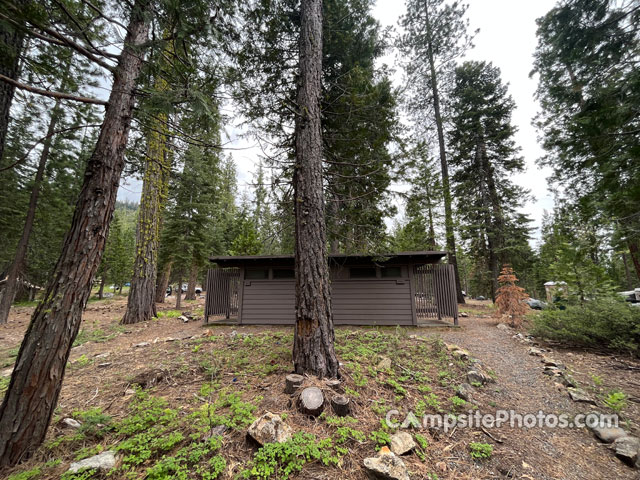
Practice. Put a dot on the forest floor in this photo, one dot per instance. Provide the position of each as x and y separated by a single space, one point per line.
153 392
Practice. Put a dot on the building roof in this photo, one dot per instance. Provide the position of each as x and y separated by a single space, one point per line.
421 257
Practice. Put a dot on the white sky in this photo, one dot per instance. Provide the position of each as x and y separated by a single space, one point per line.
507 39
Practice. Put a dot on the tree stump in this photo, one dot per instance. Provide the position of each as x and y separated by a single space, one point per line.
341 405
335 385
311 401
292 383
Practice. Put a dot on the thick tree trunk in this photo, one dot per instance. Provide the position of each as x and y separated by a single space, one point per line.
446 187
11 286
163 283
12 40
191 286
313 349
36 380
141 306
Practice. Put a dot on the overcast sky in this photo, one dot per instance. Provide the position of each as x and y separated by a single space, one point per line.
507 39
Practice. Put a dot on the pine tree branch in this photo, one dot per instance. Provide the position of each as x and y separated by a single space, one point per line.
40 140
50 93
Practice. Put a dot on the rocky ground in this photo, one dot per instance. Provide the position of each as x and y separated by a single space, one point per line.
169 399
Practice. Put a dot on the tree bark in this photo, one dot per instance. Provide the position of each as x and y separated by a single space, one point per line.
36 380
101 289
13 40
163 283
179 293
141 306
11 286
444 166
313 345
191 285
635 256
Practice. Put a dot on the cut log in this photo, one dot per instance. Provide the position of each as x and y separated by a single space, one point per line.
311 401
341 405
335 385
292 383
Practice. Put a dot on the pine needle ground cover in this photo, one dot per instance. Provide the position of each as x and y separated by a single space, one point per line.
156 405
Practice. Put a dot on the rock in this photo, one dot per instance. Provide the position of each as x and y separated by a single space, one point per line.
464 314
384 364
217 431
451 347
104 365
386 466
476 376
503 326
579 395
568 381
6 372
70 422
292 383
311 401
183 318
550 362
104 461
269 428
103 355
142 344
536 351
341 405
401 443
608 434
464 391
129 391
461 354
627 449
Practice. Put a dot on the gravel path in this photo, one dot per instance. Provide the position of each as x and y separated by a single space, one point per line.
536 453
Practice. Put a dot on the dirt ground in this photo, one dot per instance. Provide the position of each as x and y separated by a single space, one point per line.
109 356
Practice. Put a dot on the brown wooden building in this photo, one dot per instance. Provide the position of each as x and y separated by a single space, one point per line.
407 288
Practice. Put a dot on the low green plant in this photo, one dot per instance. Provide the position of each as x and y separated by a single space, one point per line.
290 457
616 400
399 389
26 475
597 380
457 402
169 314
480 451
422 444
380 437
94 422
189 460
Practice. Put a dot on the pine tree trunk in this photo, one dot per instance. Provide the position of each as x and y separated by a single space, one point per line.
446 187
191 286
179 293
141 306
36 380
12 40
101 289
163 283
11 286
635 256
494 220
313 348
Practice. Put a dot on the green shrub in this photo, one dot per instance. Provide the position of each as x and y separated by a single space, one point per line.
608 322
